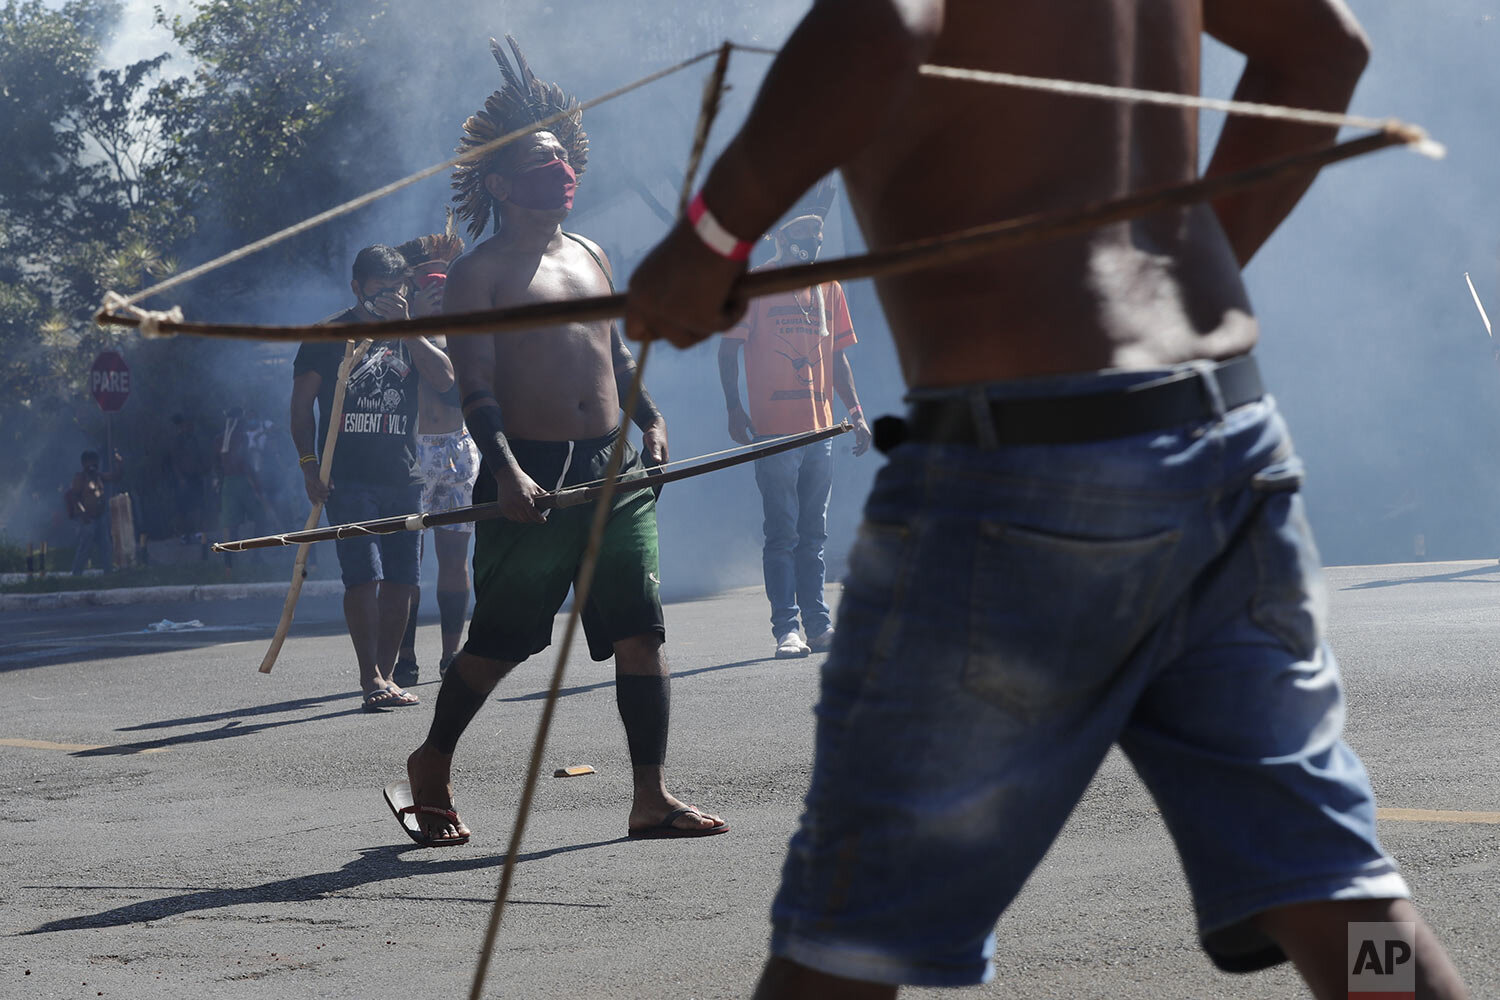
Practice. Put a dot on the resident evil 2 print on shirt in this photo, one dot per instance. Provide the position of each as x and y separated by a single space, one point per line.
378 432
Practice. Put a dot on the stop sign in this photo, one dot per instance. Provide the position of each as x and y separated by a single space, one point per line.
109 381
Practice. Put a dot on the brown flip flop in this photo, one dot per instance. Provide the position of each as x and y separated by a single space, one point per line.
666 831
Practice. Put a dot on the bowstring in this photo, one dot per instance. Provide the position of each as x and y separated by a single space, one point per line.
353 204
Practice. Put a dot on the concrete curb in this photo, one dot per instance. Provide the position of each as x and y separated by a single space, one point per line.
145 595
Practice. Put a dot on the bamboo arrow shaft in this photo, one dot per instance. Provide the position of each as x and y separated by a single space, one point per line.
547 501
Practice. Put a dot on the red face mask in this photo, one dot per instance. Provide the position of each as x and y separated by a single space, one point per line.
546 188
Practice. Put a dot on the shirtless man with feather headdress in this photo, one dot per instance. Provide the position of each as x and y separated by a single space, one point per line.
543 407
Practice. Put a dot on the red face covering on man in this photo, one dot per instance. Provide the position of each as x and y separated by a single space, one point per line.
546 187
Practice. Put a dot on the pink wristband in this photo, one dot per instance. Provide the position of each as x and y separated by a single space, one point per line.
714 236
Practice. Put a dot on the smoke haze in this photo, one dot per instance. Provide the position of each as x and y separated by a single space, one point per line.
1370 341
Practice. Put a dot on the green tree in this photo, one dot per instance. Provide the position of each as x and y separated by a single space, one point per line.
79 182
274 123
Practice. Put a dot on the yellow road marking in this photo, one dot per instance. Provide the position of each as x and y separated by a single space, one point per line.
1437 816
64 747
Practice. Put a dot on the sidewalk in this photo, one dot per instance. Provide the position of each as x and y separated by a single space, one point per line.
167 553
146 595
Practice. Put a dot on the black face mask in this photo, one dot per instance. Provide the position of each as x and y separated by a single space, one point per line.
804 249
368 300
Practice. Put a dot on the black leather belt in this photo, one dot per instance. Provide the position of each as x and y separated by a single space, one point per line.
1177 400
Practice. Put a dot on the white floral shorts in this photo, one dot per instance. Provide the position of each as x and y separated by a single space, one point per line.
450 464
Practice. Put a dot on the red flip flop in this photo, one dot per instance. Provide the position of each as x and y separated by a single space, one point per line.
398 797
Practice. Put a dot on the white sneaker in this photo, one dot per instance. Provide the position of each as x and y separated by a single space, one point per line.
822 642
790 646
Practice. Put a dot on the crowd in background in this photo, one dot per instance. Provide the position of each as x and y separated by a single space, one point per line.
215 474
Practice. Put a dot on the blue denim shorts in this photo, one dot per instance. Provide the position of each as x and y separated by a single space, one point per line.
1009 615
395 558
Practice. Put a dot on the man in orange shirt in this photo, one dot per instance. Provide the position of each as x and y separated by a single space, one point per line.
794 362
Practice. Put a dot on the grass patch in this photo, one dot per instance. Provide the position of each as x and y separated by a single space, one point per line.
13 556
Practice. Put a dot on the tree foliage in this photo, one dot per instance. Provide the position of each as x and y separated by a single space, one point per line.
78 184
111 175
280 109
275 124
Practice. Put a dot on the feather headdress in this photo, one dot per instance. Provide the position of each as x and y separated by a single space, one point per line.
441 248
524 100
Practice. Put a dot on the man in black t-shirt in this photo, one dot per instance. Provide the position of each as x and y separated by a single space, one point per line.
375 471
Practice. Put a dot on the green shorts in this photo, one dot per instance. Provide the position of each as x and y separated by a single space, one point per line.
522 572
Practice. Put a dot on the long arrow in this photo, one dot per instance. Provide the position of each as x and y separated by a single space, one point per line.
1480 306
488 511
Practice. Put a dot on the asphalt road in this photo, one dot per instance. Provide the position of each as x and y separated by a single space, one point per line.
175 824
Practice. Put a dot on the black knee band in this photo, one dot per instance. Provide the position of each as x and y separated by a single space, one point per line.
645 708
456 705
409 641
453 605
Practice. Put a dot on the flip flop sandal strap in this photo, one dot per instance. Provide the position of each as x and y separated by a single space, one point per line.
447 814
669 819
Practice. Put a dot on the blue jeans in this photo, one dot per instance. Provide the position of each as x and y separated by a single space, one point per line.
395 558
93 537
794 490
1009 615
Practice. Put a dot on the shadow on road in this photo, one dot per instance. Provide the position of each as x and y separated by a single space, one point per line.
228 731
374 865
1459 576
676 675
232 719
243 713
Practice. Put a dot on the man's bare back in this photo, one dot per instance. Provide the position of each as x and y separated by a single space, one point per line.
1040 511
924 157
1146 294
554 383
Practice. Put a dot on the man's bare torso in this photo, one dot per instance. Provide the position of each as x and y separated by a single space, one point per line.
554 383
1151 293
436 415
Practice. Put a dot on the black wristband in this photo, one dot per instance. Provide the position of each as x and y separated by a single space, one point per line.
488 434
646 412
